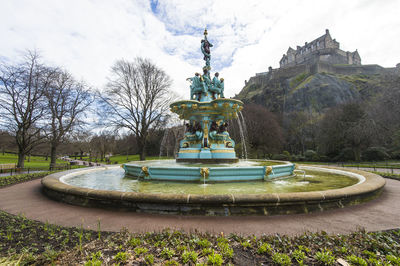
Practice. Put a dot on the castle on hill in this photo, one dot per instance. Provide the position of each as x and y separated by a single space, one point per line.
322 55
323 49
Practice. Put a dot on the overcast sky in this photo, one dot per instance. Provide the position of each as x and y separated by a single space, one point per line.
87 37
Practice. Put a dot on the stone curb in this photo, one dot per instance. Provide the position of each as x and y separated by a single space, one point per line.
228 204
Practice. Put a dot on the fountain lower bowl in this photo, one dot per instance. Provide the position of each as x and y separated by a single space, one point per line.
208 171
369 187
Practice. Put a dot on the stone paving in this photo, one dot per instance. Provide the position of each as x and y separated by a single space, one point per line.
380 214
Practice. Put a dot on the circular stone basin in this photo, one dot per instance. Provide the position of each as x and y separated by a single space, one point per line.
318 189
241 171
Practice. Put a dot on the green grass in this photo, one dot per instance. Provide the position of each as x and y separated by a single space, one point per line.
35 161
387 175
384 164
118 159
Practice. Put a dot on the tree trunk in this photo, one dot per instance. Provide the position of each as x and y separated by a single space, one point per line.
357 154
141 149
21 159
53 156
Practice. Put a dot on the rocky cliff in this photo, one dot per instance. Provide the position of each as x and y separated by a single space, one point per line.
317 92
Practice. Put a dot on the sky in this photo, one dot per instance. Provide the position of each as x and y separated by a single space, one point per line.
86 37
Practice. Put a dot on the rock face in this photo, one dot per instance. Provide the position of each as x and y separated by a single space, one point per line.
321 91
316 92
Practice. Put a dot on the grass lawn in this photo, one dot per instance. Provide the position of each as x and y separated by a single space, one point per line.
35 161
382 164
118 159
387 175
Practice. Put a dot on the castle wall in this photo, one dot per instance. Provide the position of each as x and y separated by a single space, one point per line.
320 67
348 69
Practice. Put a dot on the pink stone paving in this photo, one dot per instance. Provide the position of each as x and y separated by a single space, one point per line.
380 214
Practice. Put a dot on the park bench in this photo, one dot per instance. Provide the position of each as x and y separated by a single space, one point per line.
7 166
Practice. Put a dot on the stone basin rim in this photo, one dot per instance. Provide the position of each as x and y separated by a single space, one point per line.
371 184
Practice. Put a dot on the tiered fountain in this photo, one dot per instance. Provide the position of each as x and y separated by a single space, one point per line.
207 140
208 177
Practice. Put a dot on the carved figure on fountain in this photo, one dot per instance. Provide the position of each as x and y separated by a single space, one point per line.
193 132
220 133
205 49
217 86
197 87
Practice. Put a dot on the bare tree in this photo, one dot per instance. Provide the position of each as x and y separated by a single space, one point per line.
137 98
264 132
21 101
346 126
67 101
102 144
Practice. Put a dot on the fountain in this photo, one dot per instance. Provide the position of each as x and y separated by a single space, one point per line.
207 178
207 140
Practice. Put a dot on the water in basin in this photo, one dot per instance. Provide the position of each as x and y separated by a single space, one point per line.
115 179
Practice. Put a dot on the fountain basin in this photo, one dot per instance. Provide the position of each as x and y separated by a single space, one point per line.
212 173
368 187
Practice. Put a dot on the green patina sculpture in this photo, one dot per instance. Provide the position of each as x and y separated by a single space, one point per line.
205 49
202 85
217 86
206 138
197 87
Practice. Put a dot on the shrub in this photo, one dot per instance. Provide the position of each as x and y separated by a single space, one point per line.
280 157
121 257
138 250
149 259
311 155
324 158
281 259
189 256
204 243
346 154
207 251
264 248
94 259
171 263
354 260
299 256
393 259
286 153
325 257
395 154
245 244
215 259
134 242
167 253
375 154
226 251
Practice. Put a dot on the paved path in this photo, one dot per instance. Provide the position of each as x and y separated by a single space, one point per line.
379 214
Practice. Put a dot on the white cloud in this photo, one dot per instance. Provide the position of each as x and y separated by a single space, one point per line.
86 37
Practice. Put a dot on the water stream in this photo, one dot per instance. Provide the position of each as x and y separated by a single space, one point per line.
242 138
164 142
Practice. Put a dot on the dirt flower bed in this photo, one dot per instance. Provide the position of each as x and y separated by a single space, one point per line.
15 179
33 243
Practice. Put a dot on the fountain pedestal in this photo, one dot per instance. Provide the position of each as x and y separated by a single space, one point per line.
206 138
